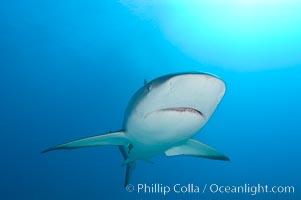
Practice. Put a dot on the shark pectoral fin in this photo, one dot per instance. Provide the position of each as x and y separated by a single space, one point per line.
195 148
116 138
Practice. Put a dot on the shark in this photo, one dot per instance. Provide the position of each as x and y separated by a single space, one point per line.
162 117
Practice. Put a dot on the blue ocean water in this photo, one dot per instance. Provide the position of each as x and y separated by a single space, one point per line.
68 70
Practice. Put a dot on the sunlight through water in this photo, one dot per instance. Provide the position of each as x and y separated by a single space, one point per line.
236 34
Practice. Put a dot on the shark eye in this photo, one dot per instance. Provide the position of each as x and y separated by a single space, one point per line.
149 87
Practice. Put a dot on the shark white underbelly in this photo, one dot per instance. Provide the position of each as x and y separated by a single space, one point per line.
157 131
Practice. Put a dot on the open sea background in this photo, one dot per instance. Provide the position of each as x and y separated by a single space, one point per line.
69 68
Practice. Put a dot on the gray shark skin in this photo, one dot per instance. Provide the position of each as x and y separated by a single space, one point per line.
162 117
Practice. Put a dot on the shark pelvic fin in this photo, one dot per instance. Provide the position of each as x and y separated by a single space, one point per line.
148 161
115 138
195 148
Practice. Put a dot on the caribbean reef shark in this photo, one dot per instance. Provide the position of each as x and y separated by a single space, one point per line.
162 117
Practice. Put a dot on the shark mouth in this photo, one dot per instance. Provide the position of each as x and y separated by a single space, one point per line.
184 109
179 110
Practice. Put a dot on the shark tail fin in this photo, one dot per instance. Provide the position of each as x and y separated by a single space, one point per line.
130 166
129 169
195 148
115 138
